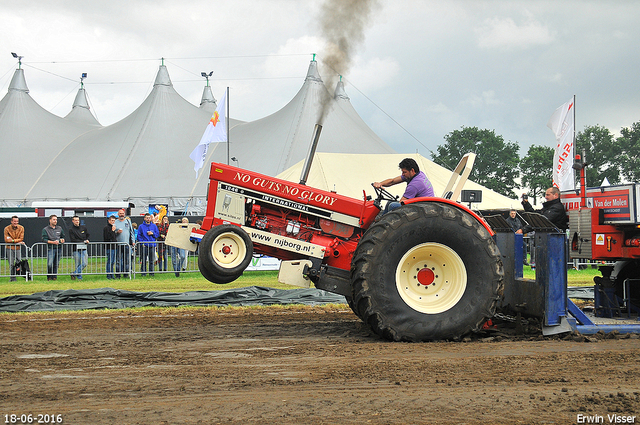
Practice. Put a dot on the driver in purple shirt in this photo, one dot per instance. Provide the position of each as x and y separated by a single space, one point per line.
418 185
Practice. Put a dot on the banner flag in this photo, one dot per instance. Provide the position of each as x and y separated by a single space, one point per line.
562 124
215 132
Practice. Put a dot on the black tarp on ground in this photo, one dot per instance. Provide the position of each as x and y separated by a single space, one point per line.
104 298
90 299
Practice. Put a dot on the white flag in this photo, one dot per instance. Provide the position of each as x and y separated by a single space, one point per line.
215 132
562 125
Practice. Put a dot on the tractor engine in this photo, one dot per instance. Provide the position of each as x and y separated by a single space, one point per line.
286 220
280 222
337 239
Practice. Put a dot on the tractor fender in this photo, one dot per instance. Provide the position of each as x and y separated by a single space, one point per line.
452 203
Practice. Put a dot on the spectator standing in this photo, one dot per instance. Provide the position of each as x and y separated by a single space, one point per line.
163 228
514 221
135 240
179 255
199 223
53 236
14 238
183 252
552 209
126 240
147 236
79 235
518 227
110 238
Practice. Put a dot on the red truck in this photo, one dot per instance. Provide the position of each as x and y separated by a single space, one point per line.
604 225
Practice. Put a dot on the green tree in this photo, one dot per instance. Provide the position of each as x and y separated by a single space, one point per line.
496 165
537 169
602 154
629 143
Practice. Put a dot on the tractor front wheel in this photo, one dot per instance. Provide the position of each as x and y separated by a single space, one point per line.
224 253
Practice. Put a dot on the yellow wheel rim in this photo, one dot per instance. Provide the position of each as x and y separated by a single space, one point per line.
228 250
431 278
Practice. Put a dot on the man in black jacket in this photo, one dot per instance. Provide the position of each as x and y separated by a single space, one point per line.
79 234
110 237
552 209
514 221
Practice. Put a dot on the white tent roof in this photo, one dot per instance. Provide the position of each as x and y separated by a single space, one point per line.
350 174
208 102
272 144
80 112
144 158
30 137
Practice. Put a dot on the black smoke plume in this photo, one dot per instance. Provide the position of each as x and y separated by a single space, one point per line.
342 23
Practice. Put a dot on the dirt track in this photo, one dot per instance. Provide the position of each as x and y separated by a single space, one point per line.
299 366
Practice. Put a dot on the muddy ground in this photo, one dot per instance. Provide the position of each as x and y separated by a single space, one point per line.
300 366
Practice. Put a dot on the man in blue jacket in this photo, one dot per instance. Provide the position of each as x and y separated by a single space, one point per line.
147 234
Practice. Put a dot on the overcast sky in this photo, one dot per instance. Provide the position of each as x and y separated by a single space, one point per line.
423 69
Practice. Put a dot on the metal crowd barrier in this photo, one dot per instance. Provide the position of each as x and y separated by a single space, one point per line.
78 259
93 258
166 259
125 262
8 255
575 263
63 260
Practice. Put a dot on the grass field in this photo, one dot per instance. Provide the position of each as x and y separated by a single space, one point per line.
159 283
195 282
574 277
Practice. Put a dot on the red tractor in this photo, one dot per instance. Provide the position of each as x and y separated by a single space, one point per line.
429 270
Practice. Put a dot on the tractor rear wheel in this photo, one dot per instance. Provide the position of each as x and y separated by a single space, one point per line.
353 306
224 253
426 271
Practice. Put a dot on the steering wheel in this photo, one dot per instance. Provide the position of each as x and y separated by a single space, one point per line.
383 195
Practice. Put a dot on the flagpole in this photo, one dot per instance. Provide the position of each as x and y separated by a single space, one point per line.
226 118
574 120
574 136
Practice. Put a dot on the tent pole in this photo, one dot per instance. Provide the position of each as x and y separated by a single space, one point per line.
226 118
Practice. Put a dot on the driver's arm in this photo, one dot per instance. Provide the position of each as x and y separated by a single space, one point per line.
388 182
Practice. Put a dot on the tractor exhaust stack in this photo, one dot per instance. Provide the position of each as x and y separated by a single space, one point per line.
312 151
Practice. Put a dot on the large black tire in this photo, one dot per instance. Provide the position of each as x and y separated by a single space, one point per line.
351 303
426 271
224 253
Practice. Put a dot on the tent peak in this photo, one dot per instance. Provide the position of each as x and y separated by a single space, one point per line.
81 99
208 102
162 78
18 83
312 73
80 112
340 93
